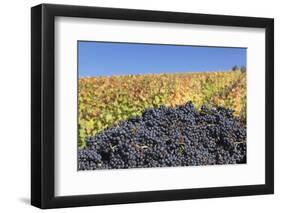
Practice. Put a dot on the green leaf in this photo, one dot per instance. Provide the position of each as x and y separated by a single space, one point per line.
99 124
156 100
108 117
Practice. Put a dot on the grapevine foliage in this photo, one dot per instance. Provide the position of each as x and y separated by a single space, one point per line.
106 101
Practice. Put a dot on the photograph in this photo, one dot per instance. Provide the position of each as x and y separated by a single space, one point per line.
160 105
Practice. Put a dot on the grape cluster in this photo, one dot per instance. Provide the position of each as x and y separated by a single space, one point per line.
168 137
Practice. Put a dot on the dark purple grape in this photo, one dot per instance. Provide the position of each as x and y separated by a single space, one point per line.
166 137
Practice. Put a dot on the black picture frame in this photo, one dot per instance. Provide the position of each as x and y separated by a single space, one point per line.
43 102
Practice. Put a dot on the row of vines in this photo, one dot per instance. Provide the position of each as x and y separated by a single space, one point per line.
104 101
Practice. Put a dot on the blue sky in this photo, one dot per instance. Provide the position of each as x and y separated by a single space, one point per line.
109 58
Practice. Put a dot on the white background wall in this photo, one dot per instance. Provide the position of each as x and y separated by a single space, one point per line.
15 105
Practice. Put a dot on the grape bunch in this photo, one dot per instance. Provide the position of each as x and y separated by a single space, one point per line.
168 137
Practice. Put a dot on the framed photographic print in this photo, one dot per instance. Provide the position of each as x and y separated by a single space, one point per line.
139 106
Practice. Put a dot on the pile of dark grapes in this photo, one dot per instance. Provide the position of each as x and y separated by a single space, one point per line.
168 137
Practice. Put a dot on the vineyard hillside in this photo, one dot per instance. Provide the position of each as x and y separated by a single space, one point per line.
105 101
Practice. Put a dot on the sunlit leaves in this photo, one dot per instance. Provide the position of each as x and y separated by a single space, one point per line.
233 96
104 101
